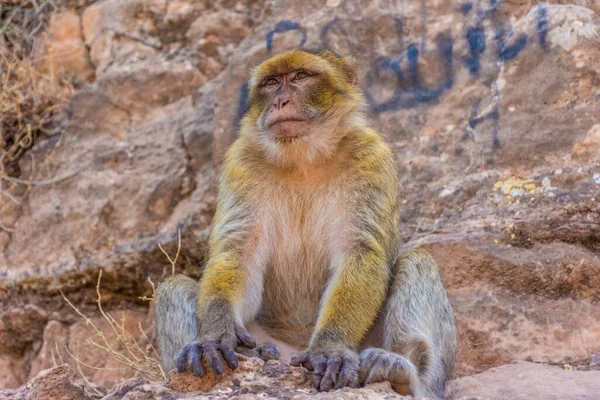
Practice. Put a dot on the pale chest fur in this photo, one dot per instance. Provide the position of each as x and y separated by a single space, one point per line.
302 234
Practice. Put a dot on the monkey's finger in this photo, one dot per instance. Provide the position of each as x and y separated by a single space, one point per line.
195 361
212 357
368 358
181 360
348 375
331 373
343 380
229 355
319 364
301 360
244 337
268 351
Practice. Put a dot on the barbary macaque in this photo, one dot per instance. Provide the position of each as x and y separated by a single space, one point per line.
304 250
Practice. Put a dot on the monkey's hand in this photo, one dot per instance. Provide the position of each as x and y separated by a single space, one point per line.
208 348
334 367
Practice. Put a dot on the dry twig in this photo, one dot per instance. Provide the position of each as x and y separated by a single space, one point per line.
130 353
173 261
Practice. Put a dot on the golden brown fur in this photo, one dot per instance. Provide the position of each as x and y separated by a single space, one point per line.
304 247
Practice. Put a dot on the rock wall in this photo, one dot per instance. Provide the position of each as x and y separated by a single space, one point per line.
491 108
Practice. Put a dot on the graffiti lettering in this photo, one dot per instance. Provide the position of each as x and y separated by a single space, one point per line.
335 23
408 85
542 24
285 26
476 42
411 90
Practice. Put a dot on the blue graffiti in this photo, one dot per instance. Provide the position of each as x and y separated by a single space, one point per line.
466 8
476 42
407 81
399 31
422 94
542 24
476 38
335 23
505 52
285 26
384 63
415 92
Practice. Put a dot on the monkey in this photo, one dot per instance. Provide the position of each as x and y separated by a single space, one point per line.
304 260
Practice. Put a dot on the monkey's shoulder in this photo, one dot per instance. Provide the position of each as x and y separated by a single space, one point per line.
368 151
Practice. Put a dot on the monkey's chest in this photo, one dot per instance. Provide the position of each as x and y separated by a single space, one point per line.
304 246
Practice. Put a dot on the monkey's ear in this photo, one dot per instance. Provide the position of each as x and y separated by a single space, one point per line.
347 64
351 70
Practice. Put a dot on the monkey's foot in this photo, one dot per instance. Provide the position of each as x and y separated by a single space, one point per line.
191 355
377 365
265 351
332 368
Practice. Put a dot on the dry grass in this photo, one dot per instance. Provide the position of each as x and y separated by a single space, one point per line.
21 21
143 359
30 99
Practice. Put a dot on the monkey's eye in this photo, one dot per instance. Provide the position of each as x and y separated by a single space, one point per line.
301 75
270 82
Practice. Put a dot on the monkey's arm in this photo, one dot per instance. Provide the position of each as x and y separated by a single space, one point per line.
221 289
359 286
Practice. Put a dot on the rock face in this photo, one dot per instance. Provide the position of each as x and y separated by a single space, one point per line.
255 379
490 107
527 381
58 383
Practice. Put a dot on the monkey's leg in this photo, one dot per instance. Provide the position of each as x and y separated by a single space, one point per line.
266 342
177 324
417 334
176 316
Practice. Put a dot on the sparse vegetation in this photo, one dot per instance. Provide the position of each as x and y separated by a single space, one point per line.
138 355
30 100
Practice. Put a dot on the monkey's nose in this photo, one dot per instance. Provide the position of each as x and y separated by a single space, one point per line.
280 103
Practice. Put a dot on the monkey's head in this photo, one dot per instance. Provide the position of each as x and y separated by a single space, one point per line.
301 104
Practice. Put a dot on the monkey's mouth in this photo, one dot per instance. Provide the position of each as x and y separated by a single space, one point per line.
284 121
286 130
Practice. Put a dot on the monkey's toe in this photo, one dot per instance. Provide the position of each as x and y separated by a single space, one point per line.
250 353
349 373
265 351
268 351
334 364
333 369
377 365
190 356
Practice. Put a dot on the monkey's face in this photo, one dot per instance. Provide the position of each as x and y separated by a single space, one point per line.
299 103
289 111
